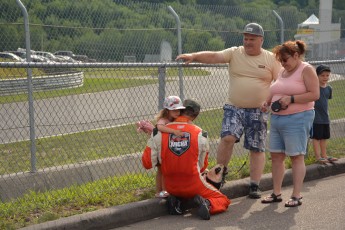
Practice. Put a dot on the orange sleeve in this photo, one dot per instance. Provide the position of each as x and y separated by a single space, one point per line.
146 158
149 158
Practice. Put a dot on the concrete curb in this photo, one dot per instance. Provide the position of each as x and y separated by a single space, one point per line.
148 209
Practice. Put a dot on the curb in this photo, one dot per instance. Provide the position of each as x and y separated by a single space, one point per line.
126 214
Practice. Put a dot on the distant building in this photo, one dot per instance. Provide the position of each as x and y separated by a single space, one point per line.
164 56
320 35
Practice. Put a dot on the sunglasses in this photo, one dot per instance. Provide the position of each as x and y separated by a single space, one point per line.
284 59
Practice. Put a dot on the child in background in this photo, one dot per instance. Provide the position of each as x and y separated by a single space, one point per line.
321 124
170 111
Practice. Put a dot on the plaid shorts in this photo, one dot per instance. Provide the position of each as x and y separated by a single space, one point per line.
252 122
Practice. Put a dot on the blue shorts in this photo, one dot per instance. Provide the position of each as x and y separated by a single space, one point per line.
289 133
251 122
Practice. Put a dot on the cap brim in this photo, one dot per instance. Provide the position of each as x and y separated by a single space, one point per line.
259 35
322 70
180 107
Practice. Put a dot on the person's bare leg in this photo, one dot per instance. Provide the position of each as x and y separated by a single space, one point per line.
225 149
316 147
323 146
278 171
257 165
298 174
159 184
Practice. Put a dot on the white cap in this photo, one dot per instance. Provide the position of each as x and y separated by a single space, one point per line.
173 103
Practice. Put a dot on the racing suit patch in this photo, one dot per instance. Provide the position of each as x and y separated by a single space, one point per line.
179 144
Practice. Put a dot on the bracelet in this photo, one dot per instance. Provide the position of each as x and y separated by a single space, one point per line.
292 99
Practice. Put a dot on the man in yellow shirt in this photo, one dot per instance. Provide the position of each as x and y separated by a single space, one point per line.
252 69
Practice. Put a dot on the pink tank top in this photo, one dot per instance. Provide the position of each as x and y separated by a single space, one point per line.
292 85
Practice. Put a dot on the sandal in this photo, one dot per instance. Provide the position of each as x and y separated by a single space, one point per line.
294 202
272 198
162 194
322 160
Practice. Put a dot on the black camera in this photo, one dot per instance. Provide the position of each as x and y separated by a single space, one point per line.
276 106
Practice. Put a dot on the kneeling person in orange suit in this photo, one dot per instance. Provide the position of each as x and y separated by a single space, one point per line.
183 161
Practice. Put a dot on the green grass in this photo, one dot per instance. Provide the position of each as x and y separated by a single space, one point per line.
96 80
143 71
91 85
34 208
336 104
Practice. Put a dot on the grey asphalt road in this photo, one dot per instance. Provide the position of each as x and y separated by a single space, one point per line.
323 208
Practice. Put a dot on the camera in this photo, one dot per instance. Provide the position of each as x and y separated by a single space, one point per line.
276 106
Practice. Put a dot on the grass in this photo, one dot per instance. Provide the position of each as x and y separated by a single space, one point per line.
91 85
96 80
336 104
34 208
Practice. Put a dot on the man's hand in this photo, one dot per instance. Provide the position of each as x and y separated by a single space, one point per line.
187 58
265 107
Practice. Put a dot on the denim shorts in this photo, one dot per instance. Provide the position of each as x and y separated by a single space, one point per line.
289 133
251 122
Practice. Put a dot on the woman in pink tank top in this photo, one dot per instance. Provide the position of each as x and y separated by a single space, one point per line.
291 100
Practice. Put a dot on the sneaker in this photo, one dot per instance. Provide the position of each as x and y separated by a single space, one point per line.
254 191
174 205
203 207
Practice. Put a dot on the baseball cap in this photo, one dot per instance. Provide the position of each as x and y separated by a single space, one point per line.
193 105
173 103
253 28
322 68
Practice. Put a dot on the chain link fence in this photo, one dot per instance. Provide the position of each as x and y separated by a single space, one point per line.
79 126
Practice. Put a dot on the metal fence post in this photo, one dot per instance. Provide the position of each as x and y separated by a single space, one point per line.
162 84
281 27
179 49
31 103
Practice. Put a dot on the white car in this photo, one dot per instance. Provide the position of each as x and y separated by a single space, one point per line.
10 56
67 59
50 56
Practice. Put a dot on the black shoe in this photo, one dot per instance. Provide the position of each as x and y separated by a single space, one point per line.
174 205
254 191
203 207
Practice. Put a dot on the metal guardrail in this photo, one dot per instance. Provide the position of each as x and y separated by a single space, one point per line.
61 81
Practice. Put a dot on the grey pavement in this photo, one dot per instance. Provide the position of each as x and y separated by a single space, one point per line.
323 208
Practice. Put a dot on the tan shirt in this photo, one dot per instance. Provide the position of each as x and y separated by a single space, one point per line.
250 76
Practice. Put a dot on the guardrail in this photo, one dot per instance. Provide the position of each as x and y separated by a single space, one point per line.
61 81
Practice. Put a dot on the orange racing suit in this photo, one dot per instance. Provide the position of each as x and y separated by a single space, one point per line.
182 160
